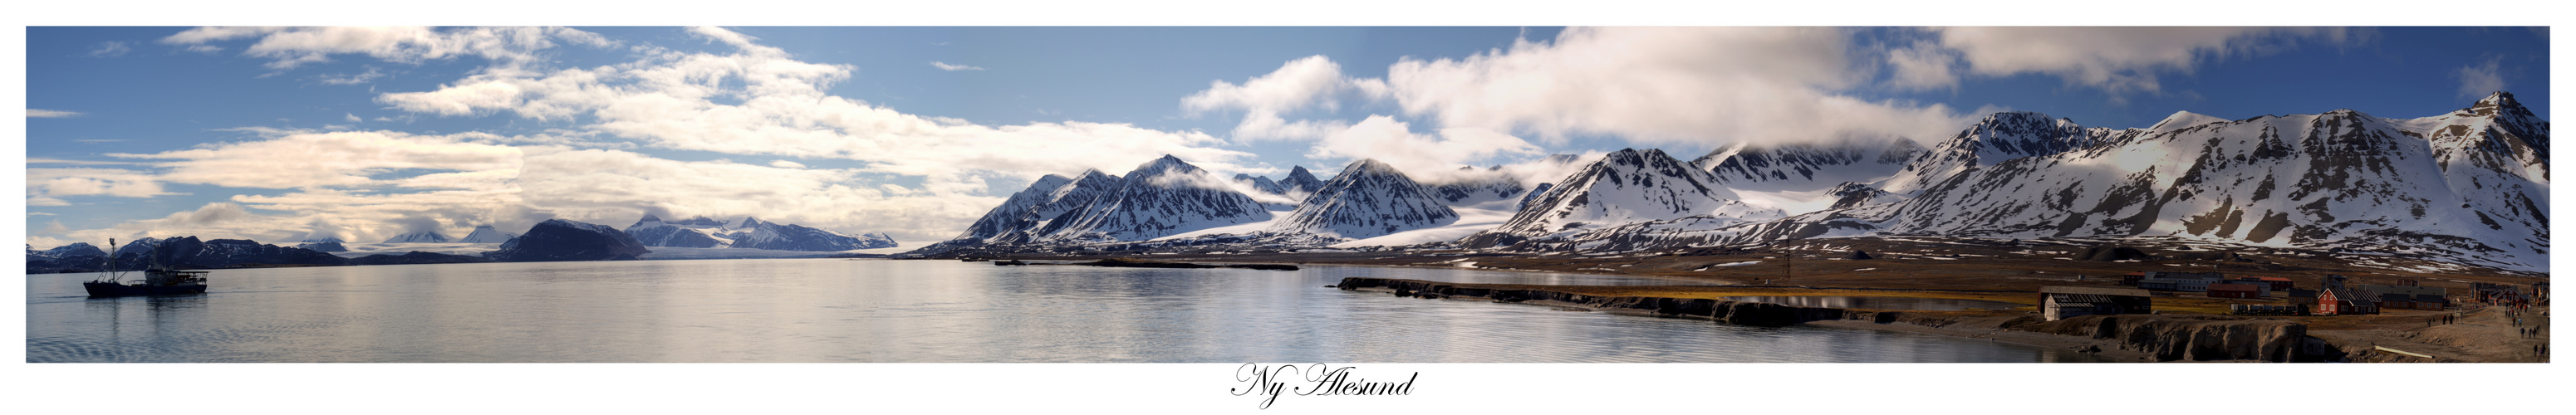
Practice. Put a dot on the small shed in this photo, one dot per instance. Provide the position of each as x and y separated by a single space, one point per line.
2059 302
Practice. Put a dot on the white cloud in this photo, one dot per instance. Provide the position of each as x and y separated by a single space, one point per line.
2116 59
110 49
38 113
347 79
353 118
1665 85
2476 81
45 185
944 66
344 159
1392 142
289 47
754 100
609 184
1309 82
776 105
77 162
1923 66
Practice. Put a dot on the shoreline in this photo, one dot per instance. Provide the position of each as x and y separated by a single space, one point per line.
2152 338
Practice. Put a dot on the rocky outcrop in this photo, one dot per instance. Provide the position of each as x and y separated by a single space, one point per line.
415 257
564 240
2186 338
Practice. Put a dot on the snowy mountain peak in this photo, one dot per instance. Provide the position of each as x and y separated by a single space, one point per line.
1300 181
1626 186
1163 197
1999 137
422 237
648 218
486 234
1368 199
2183 119
1807 166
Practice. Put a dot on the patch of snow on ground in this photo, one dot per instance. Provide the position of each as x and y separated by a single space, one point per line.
1243 228
1737 264
1468 264
1471 220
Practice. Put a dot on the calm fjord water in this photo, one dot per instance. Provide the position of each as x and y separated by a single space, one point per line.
821 310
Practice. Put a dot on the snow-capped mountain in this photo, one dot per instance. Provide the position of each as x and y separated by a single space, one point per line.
422 237
1999 137
1367 199
1162 197
1022 218
485 234
1261 184
75 249
1299 183
323 240
1471 186
693 233
1623 187
791 237
1807 166
2470 186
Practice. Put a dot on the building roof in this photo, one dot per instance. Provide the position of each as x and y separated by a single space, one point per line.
2234 287
2405 289
2126 292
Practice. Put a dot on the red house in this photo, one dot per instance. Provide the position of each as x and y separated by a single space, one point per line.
2236 291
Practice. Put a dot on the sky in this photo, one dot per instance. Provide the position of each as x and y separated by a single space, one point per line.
282 134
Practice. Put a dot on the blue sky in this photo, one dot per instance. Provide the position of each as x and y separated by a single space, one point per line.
279 134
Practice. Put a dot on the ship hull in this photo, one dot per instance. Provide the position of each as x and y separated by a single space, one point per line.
102 289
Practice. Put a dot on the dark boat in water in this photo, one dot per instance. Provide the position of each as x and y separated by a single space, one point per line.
156 280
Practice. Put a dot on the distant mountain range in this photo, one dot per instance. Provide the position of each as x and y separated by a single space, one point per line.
2470 186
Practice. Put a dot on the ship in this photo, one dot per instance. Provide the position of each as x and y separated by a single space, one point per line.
157 280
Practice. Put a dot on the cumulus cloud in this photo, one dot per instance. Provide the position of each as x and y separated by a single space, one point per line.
41 113
944 66
2116 59
2476 81
1310 82
1665 85
289 47
1923 66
